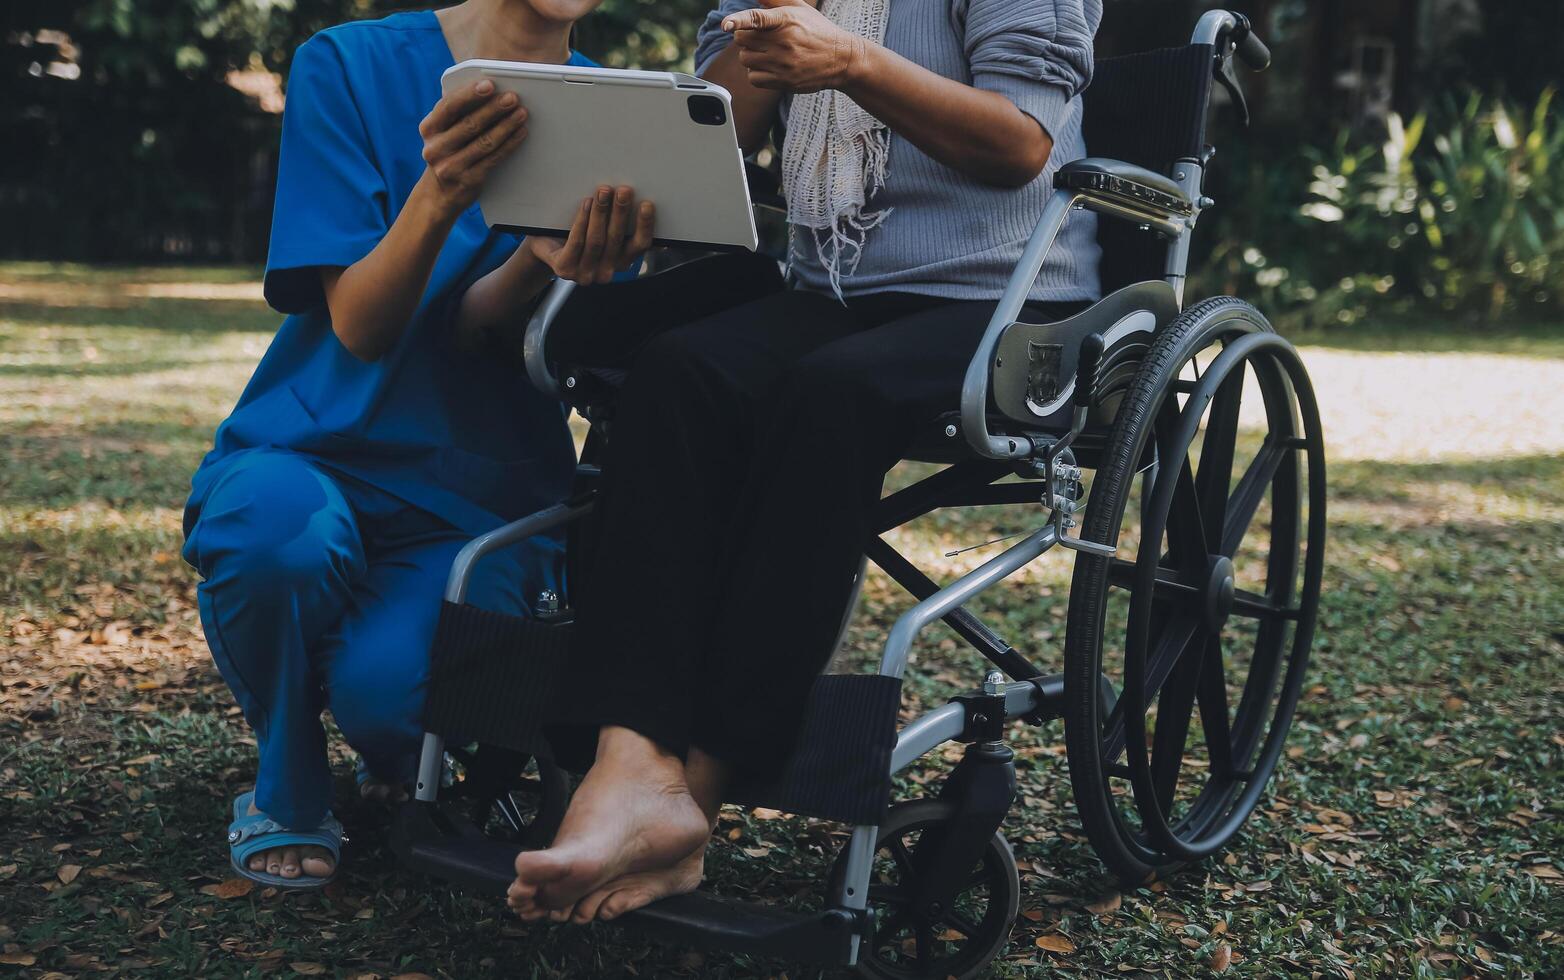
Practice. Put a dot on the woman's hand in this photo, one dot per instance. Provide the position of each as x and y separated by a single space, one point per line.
788 45
467 135
609 234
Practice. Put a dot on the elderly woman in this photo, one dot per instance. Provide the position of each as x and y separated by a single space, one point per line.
750 444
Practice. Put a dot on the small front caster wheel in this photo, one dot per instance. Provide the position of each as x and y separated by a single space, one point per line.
911 943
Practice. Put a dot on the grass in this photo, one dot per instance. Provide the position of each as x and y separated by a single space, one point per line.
1413 830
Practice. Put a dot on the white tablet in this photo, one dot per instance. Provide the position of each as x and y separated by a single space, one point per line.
670 136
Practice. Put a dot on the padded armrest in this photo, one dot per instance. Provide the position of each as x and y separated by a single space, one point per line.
1126 184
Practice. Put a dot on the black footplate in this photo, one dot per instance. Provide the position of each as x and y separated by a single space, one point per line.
432 840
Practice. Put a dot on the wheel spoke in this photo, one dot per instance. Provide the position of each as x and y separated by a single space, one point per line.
925 941
1185 525
1250 492
962 924
1174 708
1215 477
1254 606
1171 646
1213 708
1167 585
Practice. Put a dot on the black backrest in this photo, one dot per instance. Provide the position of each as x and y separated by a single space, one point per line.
1148 109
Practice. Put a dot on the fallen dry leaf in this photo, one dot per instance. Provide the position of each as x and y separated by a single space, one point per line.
18 959
68 873
1055 943
1221 958
232 888
308 969
1106 905
757 852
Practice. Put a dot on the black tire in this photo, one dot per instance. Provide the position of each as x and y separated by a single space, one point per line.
1192 531
982 916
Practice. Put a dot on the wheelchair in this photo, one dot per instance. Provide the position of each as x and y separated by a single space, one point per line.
1192 605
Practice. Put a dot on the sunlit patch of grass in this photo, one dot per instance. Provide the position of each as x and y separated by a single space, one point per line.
1411 830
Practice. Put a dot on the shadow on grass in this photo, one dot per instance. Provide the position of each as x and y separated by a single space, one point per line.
179 315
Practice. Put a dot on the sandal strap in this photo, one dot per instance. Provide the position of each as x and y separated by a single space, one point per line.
258 832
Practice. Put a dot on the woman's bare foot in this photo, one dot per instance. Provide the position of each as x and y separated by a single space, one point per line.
292 861
632 814
642 888
706 778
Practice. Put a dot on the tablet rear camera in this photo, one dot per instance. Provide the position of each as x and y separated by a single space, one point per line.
708 110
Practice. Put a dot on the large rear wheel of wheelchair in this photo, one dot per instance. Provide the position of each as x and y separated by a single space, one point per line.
1212 486
910 943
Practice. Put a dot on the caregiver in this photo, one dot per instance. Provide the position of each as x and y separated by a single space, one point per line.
381 432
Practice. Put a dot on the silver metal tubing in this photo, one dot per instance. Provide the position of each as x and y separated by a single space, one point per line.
926 733
893 663
1164 225
535 339
945 724
974 389
430 759
544 520
1213 24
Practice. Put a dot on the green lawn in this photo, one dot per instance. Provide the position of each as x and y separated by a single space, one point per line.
1413 830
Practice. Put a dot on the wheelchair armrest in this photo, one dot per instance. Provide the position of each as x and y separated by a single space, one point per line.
535 340
1136 190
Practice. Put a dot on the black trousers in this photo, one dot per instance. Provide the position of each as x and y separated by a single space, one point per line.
749 444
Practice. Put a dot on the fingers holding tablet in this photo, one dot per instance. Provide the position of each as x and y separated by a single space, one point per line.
609 233
466 136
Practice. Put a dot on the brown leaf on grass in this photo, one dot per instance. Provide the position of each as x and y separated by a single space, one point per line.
1546 872
1030 915
757 852
1220 929
18 959
1055 943
1221 958
412 976
308 969
1106 905
232 888
68 873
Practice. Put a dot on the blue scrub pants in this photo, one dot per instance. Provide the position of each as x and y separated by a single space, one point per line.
321 591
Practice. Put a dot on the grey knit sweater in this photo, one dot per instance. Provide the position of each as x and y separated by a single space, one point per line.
948 234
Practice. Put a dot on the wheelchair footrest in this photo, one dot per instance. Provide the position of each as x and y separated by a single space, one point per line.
430 839
492 676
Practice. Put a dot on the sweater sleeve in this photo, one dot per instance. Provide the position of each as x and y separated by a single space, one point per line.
1037 53
712 40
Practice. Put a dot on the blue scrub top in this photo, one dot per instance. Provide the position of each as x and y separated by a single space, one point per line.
462 436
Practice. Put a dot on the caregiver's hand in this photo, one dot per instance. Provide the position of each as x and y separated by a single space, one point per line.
609 233
466 135
788 45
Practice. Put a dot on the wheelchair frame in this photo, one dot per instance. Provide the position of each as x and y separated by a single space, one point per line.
834 936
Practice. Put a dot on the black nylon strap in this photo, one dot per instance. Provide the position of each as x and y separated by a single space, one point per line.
491 676
841 769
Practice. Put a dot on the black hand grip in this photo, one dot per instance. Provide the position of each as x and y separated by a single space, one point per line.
1086 370
1252 51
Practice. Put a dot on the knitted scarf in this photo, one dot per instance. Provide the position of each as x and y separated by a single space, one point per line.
836 155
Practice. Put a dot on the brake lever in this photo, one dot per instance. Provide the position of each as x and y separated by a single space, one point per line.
1228 77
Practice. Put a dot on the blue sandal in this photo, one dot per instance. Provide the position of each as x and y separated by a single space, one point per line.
251 833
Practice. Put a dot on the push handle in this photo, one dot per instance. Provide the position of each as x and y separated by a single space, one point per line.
1086 370
1250 49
